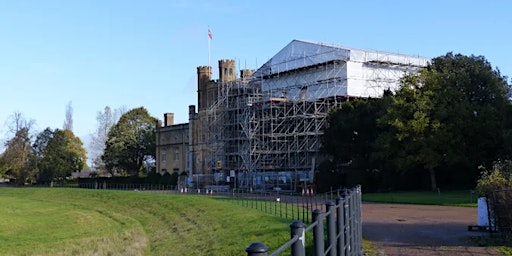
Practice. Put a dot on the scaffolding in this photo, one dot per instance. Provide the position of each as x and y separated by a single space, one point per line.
268 129
229 125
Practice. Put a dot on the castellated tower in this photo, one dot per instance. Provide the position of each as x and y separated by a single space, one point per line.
226 70
245 74
204 76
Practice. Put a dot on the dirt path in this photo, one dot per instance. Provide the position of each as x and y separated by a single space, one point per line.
396 229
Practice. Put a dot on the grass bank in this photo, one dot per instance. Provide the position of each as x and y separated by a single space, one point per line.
97 222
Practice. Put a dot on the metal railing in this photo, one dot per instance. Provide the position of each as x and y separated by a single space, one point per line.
500 209
337 231
292 207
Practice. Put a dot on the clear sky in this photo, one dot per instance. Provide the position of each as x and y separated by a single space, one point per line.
128 53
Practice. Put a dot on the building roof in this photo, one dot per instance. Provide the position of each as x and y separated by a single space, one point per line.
300 54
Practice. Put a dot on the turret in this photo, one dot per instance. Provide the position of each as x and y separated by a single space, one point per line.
226 70
204 76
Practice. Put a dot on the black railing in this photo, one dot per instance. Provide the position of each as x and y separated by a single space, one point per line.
343 230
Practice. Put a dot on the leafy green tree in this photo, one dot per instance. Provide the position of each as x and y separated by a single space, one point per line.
451 113
130 142
415 128
352 131
18 160
59 153
349 141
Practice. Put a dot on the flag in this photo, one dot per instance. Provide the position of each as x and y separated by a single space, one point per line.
210 34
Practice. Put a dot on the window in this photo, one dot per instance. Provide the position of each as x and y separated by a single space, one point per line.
176 154
164 157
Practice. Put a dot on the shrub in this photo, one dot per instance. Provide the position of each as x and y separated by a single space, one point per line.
496 186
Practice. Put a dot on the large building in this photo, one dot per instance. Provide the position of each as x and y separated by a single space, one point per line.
172 146
262 128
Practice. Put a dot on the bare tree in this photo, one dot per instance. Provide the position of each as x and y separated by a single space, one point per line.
68 122
17 122
105 121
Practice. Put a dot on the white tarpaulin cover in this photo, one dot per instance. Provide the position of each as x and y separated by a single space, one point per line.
321 70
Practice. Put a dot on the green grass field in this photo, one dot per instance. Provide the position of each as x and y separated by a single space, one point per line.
451 198
42 221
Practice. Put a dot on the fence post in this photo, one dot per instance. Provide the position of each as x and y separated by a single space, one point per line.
359 219
257 249
340 230
318 233
297 228
331 227
346 221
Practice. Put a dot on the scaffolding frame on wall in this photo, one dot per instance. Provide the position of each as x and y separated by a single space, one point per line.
268 129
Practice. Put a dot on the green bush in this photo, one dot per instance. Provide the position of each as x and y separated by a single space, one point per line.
496 186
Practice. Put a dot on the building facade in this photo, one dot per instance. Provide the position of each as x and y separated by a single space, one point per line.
261 129
172 146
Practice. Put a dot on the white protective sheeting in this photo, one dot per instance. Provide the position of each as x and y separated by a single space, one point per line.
299 54
308 71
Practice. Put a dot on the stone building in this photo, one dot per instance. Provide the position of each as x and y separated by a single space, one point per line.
262 129
172 146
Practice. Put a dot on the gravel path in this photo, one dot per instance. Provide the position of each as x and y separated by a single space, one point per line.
398 229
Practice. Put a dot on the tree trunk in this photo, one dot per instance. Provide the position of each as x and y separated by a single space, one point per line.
432 178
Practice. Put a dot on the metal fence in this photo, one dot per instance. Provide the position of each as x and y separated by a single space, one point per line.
126 186
336 231
500 203
112 186
292 207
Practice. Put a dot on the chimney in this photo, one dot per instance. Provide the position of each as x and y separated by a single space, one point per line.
168 119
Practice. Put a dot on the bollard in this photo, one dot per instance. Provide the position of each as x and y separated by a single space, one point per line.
257 249
298 228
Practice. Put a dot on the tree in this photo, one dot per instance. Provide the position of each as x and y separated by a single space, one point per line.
68 122
349 139
414 127
130 142
17 160
59 153
17 121
450 114
105 121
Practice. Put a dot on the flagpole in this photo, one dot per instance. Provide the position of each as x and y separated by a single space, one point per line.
209 39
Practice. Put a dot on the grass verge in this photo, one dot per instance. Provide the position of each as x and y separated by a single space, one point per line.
449 198
39 221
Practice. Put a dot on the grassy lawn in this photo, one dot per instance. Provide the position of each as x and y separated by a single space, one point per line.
39 221
449 198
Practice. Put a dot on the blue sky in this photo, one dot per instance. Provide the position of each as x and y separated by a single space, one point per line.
145 53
